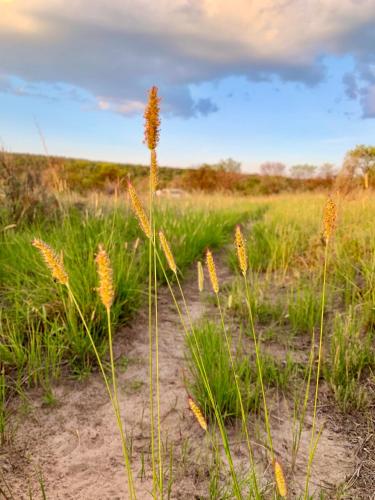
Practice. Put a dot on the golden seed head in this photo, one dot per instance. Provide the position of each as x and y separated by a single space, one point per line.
197 413
167 252
105 290
200 276
280 479
152 120
139 211
154 171
212 271
53 261
329 219
241 250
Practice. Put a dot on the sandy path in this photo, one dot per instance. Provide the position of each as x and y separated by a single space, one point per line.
76 446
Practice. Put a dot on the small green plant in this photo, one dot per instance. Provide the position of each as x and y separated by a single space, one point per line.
210 343
304 305
350 354
279 374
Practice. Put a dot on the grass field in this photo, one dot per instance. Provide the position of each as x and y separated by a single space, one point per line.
205 346
299 309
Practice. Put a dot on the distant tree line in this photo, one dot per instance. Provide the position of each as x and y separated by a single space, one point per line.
58 173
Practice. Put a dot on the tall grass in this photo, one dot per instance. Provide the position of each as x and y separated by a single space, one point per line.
40 329
293 278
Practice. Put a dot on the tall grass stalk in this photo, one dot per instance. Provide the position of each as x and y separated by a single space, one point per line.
117 410
329 222
55 264
219 419
112 396
152 132
259 366
202 371
151 245
243 416
313 445
160 458
297 434
215 287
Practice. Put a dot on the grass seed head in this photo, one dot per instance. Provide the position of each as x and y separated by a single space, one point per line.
197 413
241 251
152 120
53 261
139 211
106 292
280 479
212 271
167 252
200 276
329 219
154 171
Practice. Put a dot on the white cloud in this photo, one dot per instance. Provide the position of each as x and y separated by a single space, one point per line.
121 47
125 107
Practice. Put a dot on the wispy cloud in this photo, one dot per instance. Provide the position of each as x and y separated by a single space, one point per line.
118 49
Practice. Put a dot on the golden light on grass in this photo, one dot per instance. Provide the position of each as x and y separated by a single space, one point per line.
280 479
167 252
197 413
329 219
139 211
212 271
200 276
241 251
105 290
154 171
152 120
53 261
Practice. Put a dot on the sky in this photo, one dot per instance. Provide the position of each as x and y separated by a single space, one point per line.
256 80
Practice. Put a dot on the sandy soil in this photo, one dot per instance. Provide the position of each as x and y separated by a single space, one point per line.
75 445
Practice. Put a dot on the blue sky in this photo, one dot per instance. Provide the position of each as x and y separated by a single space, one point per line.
267 80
